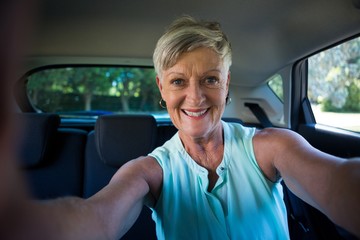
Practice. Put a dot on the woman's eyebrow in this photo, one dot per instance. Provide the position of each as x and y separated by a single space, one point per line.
213 70
174 73
180 73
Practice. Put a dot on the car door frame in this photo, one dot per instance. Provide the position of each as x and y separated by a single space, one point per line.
332 140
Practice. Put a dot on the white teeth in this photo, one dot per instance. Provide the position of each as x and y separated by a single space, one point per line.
195 114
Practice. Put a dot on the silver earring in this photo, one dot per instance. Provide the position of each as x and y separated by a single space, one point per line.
162 103
228 100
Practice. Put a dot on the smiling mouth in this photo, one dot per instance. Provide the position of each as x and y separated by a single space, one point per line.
195 114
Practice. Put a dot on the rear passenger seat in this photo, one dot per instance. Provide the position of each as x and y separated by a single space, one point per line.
53 157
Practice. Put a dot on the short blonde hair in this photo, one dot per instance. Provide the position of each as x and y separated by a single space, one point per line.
186 34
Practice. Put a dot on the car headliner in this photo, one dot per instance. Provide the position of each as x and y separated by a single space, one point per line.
265 35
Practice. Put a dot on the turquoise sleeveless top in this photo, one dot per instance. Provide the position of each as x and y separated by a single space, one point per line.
244 204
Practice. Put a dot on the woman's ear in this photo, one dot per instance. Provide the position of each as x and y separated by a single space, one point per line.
228 81
158 83
160 86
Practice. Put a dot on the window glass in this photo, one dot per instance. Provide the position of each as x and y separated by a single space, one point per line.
91 91
334 85
276 84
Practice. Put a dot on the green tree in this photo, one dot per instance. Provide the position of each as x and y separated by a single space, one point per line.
334 77
89 82
49 80
126 83
149 91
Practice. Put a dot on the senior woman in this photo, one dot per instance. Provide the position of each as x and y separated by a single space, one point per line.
211 180
212 185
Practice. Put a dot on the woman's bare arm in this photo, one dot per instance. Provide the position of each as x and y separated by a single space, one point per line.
329 183
106 215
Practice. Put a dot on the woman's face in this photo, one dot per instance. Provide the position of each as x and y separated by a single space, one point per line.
195 90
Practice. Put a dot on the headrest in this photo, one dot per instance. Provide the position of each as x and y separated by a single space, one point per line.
120 138
38 132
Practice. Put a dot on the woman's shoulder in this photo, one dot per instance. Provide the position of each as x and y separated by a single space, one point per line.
237 130
270 143
276 136
169 147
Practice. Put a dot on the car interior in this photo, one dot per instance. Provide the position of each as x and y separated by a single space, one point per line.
74 140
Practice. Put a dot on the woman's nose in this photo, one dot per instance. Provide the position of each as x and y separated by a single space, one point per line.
195 94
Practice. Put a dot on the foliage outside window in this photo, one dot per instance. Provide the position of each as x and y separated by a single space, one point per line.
276 84
94 90
334 85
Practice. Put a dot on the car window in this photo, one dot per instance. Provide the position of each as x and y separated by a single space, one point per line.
276 84
91 91
334 85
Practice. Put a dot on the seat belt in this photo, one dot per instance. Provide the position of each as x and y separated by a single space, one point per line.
260 114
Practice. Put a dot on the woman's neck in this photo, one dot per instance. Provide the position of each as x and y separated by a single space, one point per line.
208 150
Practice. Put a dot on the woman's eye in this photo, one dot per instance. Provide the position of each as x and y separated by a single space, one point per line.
177 82
211 81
